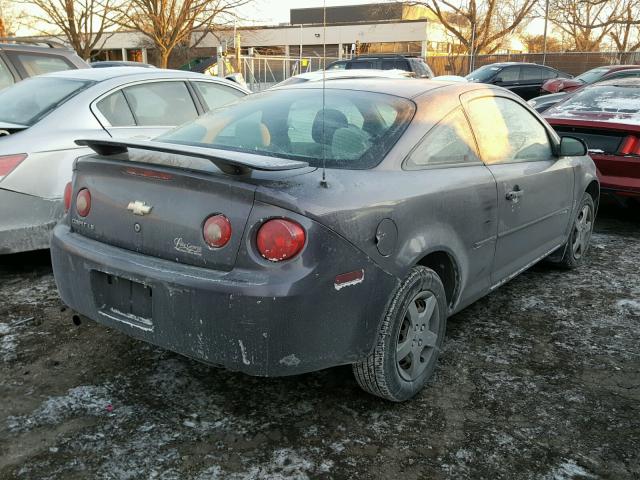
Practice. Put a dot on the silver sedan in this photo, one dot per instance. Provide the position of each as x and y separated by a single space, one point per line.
41 117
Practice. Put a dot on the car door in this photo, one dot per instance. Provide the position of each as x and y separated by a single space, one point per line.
508 77
534 187
146 109
530 82
459 195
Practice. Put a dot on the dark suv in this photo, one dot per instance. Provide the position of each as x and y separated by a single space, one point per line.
524 79
413 64
21 59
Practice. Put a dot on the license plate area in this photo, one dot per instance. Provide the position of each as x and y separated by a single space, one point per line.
122 299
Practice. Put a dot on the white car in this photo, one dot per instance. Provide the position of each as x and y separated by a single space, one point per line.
345 74
41 117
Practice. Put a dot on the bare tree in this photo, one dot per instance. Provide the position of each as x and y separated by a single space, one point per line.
85 24
8 19
586 22
169 23
481 26
626 31
536 43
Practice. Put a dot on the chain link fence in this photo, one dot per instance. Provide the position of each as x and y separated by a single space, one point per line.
573 63
262 72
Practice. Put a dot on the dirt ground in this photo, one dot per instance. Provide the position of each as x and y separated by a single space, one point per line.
539 380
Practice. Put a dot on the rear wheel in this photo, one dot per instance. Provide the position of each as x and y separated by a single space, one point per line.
579 240
409 340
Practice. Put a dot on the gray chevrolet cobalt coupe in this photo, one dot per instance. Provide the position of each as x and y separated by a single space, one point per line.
299 229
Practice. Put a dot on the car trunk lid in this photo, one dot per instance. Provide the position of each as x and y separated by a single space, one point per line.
156 203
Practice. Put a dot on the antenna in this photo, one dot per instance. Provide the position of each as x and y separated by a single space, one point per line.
323 182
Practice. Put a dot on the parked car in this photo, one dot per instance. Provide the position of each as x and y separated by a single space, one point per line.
41 117
119 63
606 115
20 59
302 228
523 79
544 102
409 63
319 75
590 76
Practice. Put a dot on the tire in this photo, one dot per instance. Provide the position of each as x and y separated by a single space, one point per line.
577 246
413 327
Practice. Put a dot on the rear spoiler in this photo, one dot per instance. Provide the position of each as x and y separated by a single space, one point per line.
235 163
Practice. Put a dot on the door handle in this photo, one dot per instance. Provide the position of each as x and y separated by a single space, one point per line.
515 194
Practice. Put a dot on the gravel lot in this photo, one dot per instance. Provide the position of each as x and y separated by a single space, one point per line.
539 380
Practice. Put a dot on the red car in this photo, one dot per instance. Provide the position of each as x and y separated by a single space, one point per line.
556 85
606 116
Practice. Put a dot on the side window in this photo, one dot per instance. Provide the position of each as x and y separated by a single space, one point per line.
449 142
548 73
161 103
6 79
360 65
530 74
395 64
507 132
215 95
509 74
34 64
116 110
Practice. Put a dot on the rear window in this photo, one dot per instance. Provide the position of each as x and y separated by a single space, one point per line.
623 102
28 101
354 131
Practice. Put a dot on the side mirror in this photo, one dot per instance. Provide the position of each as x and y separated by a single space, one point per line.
497 80
572 147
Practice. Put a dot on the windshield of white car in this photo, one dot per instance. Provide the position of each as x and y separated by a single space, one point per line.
26 102
355 130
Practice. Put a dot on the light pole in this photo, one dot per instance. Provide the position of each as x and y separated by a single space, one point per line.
546 22
471 50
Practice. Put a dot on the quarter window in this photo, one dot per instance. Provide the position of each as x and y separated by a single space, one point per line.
215 95
449 142
116 110
507 132
161 103
6 78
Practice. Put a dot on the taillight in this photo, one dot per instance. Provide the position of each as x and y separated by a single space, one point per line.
217 231
9 162
630 146
67 197
280 239
83 202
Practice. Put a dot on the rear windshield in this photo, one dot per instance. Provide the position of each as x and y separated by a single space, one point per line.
28 101
354 131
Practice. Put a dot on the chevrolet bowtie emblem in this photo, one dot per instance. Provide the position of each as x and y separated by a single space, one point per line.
139 208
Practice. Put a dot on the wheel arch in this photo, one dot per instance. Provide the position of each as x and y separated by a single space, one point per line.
446 267
593 189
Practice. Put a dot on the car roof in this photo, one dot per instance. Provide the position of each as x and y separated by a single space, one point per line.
507 64
372 72
102 74
407 88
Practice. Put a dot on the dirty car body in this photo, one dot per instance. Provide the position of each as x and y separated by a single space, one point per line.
405 185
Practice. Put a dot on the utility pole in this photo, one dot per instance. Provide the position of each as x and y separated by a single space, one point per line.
546 23
472 49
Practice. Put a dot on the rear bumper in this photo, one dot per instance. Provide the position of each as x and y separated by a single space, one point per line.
618 175
248 321
26 221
